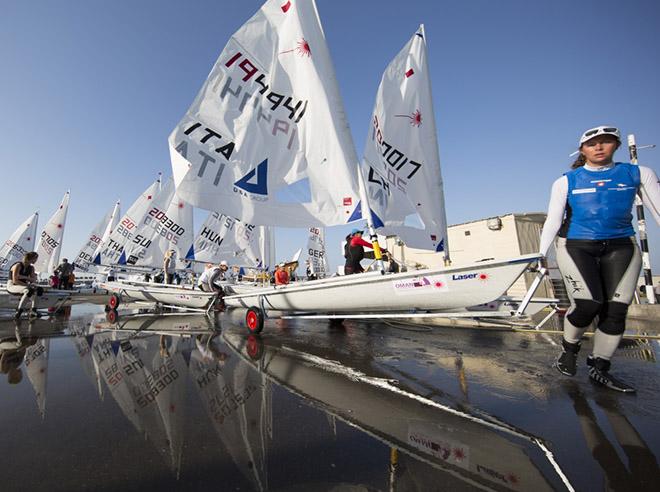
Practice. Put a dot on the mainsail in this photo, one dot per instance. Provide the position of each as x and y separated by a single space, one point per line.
225 238
269 126
401 166
20 242
168 224
50 242
85 258
318 262
110 251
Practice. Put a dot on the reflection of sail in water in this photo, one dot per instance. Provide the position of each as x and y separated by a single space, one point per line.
36 363
460 448
153 370
104 354
83 344
236 398
168 384
135 357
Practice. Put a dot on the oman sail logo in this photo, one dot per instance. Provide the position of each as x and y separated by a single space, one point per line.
416 284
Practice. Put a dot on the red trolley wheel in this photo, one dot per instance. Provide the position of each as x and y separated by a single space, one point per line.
254 319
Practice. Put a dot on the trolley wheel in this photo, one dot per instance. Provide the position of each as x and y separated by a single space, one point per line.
254 347
111 316
254 319
114 301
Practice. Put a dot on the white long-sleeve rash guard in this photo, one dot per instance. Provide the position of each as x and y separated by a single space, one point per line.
650 196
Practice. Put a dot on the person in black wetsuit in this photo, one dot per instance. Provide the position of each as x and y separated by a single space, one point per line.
354 252
590 210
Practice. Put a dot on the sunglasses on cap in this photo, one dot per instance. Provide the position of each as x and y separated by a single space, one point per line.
601 130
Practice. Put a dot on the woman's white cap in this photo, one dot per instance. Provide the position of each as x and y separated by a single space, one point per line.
600 130
224 263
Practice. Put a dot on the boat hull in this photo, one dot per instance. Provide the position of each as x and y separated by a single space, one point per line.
442 289
55 298
168 295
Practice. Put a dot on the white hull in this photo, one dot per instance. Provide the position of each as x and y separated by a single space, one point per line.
55 298
161 294
442 289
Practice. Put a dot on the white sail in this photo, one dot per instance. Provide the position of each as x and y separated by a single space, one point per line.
225 238
318 262
50 242
36 364
401 158
20 242
111 250
268 127
168 224
106 234
85 257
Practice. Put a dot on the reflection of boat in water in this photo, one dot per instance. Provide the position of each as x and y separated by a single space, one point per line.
171 323
472 450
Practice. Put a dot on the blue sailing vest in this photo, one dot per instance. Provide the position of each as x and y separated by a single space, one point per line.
599 203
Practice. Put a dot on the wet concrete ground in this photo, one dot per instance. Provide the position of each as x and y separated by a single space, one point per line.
182 402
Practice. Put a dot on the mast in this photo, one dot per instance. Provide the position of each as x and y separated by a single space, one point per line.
641 223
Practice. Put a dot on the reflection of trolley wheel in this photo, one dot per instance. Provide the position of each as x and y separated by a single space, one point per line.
254 318
111 316
254 347
114 301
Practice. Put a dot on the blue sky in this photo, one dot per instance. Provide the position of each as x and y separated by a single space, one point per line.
90 90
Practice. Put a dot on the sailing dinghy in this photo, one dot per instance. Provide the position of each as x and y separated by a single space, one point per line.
269 117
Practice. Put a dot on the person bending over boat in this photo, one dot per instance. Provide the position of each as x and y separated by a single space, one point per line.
22 278
598 257
208 281
212 274
354 252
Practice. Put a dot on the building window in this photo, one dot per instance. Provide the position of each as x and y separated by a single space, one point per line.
467 233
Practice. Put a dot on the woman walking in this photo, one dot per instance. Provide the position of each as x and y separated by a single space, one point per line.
590 210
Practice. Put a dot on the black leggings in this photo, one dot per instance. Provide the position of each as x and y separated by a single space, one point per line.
600 278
